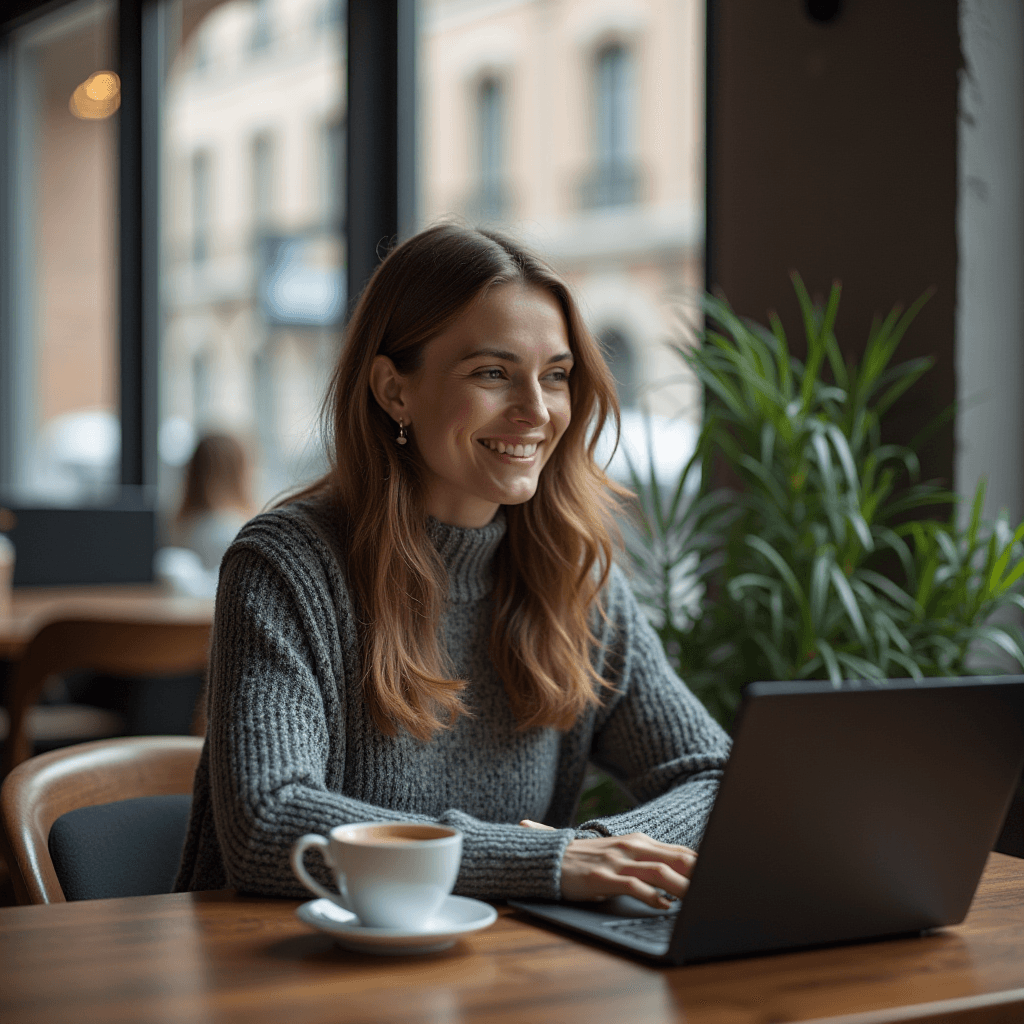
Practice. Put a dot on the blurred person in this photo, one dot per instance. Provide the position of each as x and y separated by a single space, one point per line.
435 631
216 502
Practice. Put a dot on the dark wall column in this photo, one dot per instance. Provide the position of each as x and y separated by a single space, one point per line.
833 151
8 397
380 152
139 123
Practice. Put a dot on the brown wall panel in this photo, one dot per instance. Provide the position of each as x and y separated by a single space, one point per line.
832 151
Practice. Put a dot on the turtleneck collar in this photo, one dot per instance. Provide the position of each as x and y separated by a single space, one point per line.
468 555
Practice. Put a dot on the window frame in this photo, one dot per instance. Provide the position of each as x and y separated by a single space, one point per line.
378 203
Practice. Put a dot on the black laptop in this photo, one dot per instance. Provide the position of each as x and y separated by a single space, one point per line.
846 813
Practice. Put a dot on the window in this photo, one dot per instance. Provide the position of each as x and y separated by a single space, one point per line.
200 207
614 181
490 131
330 15
114 351
62 394
202 393
261 26
332 174
262 183
567 140
619 354
200 57
245 345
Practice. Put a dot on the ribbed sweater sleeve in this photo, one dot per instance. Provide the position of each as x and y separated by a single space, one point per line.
279 682
653 735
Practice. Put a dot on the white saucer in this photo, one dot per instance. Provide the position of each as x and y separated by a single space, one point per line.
458 916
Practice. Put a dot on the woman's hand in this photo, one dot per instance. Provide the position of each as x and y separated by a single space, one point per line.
633 865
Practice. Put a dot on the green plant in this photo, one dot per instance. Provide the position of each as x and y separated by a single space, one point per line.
809 565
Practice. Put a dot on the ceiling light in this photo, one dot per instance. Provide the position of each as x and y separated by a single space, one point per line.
97 97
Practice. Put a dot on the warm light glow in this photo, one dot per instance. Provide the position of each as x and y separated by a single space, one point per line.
102 86
97 97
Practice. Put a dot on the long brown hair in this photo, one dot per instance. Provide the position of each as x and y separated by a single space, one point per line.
216 477
556 555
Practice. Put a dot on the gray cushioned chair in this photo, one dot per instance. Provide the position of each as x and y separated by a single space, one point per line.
98 819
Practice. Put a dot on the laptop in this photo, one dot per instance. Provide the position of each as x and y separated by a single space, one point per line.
846 813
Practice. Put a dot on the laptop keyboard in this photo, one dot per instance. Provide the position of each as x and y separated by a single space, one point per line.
652 931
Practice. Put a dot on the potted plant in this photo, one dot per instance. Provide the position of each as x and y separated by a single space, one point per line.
810 563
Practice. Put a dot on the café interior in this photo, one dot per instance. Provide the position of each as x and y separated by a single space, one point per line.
194 193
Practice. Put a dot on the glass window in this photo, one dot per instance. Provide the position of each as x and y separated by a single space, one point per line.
615 179
332 174
591 117
490 133
262 182
261 25
619 353
252 254
66 426
200 206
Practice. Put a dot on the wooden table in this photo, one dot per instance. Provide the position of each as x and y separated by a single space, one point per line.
221 957
32 607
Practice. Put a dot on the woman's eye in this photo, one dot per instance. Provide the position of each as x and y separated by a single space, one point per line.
559 376
491 374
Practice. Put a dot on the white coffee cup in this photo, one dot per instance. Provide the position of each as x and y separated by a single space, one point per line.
390 874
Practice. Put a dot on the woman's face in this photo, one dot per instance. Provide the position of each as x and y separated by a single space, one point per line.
488 405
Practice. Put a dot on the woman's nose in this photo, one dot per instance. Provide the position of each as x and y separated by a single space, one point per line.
529 405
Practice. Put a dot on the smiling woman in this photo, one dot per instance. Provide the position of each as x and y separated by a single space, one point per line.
435 630
488 404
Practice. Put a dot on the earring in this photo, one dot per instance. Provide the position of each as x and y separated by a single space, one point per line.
401 439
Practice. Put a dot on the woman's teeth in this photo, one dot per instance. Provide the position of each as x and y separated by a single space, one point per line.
519 450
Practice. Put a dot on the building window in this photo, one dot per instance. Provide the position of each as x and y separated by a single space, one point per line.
200 207
201 54
331 14
613 179
262 183
492 194
332 174
202 389
618 353
261 26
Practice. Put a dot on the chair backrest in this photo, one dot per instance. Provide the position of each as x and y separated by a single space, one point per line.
117 647
43 788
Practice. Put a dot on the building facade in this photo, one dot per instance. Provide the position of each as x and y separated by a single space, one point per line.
575 124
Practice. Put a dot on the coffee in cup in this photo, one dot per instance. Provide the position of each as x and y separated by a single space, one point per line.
390 874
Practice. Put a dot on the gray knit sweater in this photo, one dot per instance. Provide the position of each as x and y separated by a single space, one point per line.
291 747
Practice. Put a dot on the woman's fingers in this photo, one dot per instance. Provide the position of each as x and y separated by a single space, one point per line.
661 875
625 885
639 847
633 865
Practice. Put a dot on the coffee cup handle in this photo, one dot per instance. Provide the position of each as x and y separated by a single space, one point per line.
298 852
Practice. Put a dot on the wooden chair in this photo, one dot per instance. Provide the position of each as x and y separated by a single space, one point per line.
45 787
116 647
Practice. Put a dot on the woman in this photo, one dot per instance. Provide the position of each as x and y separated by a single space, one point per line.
435 630
214 506
215 501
